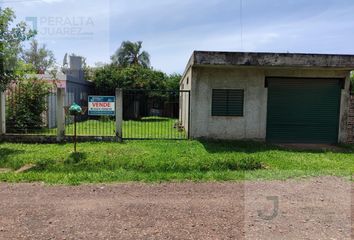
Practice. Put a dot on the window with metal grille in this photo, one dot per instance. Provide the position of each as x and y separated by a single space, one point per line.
227 102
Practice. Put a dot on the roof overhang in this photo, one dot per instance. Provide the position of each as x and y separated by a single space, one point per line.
263 59
271 60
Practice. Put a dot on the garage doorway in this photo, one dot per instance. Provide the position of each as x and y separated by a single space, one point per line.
303 110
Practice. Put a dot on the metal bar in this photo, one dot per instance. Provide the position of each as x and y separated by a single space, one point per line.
119 113
2 113
189 114
150 114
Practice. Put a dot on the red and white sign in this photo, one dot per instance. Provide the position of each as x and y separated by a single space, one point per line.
101 106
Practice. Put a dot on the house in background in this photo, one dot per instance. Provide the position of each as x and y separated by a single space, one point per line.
72 79
277 97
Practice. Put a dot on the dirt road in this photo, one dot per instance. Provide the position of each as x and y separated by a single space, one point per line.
317 208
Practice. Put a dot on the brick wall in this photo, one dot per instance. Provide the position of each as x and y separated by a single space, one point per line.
351 120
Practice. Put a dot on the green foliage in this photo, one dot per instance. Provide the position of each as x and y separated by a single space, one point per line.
130 70
24 68
39 57
130 53
173 80
11 37
110 77
107 78
135 77
88 71
107 119
26 103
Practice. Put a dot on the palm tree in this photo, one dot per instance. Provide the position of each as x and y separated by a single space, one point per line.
130 53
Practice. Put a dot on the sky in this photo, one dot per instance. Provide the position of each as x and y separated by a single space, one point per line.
172 29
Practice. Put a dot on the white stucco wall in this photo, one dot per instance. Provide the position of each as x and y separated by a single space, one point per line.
253 124
185 85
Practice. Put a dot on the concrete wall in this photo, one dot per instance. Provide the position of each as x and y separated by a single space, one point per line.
350 125
250 126
253 124
344 111
185 84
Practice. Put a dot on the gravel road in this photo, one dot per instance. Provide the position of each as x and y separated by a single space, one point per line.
316 208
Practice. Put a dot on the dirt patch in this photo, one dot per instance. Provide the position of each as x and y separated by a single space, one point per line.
307 209
25 168
5 170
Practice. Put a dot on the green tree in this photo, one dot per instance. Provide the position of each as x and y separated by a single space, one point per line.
173 80
107 78
39 57
130 53
11 37
111 76
88 71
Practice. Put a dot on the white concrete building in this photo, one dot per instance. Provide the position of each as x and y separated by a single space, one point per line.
278 97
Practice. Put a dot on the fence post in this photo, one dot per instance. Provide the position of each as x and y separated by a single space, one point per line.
2 113
60 114
119 113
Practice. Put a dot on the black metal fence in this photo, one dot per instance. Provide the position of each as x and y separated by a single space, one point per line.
31 109
155 114
100 126
147 114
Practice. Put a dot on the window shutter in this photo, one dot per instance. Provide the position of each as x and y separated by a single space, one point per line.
227 102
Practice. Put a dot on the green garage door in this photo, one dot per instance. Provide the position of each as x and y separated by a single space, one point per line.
303 110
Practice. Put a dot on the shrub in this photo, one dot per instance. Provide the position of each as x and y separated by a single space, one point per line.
110 77
25 104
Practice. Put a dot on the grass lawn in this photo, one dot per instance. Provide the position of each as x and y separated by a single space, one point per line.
92 128
168 161
147 127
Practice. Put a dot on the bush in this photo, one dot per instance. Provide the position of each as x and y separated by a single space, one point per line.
110 77
26 102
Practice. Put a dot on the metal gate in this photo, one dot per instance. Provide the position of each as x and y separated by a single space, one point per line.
89 126
155 114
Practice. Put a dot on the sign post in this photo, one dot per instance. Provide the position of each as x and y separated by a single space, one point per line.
75 110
